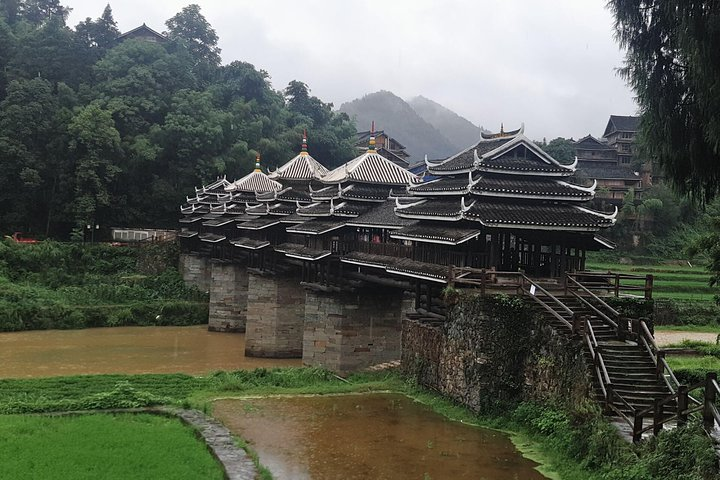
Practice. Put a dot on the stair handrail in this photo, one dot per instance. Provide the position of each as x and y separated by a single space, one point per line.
592 295
524 278
609 394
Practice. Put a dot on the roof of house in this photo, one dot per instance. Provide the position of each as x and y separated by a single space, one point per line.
621 123
589 142
142 29
609 172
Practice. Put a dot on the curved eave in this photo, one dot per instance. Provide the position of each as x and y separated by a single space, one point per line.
437 240
418 275
484 167
415 216
530 196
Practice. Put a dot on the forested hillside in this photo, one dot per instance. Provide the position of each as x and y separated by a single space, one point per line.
98 131
460 131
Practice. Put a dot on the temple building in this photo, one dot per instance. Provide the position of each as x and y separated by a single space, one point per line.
599 161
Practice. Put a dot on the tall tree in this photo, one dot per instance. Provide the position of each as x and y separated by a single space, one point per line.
194 32
671 64
98 35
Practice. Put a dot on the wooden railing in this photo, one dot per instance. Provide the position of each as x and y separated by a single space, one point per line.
615 283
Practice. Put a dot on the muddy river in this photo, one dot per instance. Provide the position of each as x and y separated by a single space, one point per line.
378 436
191 350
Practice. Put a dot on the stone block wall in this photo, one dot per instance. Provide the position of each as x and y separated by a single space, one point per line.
228 297
346 332
196 271
275 316
492 351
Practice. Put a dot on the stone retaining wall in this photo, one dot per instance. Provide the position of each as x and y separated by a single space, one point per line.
195 271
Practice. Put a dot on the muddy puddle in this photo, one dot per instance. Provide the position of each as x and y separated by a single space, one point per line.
372 436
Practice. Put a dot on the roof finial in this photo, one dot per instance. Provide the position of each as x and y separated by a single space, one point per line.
304 151
371 144
502 129
257 163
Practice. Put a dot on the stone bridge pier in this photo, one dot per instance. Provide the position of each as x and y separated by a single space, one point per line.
346 332
275 315
228 297
195 271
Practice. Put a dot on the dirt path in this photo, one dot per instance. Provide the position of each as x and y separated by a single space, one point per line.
663 338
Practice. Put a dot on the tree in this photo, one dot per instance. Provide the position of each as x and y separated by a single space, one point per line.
98 35
96 144
671 64
193 32
561 149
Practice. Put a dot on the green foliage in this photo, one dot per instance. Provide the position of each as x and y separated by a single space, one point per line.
561 149
95 131
103 446
53 285
671 66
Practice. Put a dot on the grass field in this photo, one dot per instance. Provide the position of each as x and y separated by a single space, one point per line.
678 282
123 446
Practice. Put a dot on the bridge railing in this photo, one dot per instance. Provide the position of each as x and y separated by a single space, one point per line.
615 284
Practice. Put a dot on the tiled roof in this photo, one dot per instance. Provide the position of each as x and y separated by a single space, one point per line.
299 251
192 219
465 160
591 143
218 222
610 172
436 233
317 209
351 209
399 266
370 167
525 165
455 185
282 208
549 216
294 218
302 167
244 197
258 209
211 237
229 209
216 187
249 243
187 233
326 193
380 216
622 123
448 210
254 182
259 223
316 227
368 259
508 186
365 192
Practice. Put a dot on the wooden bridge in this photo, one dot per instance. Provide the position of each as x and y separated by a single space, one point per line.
631 378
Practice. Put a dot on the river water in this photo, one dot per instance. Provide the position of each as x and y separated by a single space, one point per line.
370 436
191 350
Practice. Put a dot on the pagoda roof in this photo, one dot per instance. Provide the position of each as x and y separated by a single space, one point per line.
455 185
370 167
609 172
549 216
436 233
249 243
365 193
195 209
218 186
493 155
229 209
294 218
316 227
531 187
341 208
218 222
287 194
211 237
255 181
191 219
326 193
244 217
446 210
282 208
380 216
301 252
589 142
187 233
259 223
301 167
399 266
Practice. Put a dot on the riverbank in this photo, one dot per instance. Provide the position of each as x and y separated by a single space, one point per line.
570 445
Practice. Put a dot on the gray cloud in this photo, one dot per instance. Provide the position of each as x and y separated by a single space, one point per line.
550 64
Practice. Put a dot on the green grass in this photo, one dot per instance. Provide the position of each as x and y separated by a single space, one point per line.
122 446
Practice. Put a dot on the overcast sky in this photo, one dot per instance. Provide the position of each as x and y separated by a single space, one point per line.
548 63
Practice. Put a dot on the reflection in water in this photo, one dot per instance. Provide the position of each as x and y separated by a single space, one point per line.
374 436
191 350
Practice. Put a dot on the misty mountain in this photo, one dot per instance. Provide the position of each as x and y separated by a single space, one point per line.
458 130
399 120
